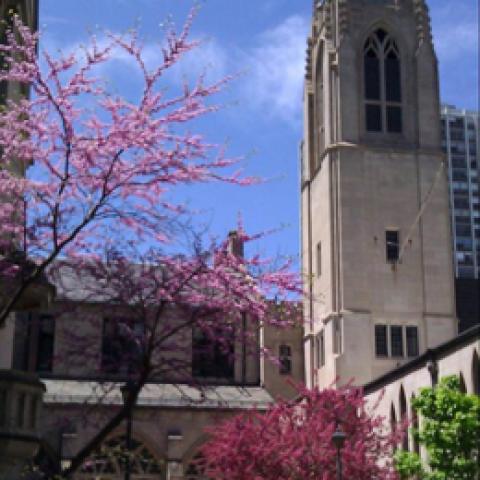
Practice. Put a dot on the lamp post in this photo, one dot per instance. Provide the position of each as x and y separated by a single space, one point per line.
126 390
338 439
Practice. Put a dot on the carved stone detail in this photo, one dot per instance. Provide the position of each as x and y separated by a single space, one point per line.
343 17
308 66
422 17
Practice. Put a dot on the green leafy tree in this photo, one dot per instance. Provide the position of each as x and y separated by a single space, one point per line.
450 432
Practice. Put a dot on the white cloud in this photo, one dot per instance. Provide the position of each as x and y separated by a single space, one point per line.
276 68
271 68
455 28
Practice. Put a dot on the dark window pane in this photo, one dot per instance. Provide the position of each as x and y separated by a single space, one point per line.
319 259
392 79
412 341
320 350
381 34
392 245
285 360
381 341
122 345
374 118
21 410
212 354
461 203
396 337
394 119
372 77
46 337
3 406
463 230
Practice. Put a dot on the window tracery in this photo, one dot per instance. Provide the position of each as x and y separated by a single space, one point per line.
109 462
382 82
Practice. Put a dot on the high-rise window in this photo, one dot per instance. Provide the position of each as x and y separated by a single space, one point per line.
412 341
381 348
396 340
382 78
392 243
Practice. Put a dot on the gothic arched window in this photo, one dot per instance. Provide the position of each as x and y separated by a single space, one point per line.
415 423
109 462
403 416
476 373
383 91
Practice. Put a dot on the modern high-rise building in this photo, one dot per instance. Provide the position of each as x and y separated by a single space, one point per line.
376 242
460 142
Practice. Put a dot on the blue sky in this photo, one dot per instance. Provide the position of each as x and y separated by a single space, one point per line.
261 118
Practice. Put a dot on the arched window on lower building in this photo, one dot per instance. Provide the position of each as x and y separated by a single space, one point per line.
415 425
403 417
109 462
475 373
463 387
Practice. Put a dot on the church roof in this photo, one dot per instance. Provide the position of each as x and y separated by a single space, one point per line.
77 392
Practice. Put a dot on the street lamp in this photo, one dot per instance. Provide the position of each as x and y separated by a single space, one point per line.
338 439
126 390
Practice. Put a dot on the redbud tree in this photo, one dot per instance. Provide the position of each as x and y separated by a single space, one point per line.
87 183
293 441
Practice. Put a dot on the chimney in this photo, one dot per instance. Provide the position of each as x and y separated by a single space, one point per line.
235 244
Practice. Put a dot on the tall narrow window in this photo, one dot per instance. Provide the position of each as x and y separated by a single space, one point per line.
403 417
320 350
412 341
319 109
337 335
285 352
414 413
381 349
382 79
476 373
46 338
392 244
396 340
3 406
213 354
122 345
319 259
34 342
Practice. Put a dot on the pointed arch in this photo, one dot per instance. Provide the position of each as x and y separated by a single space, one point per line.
393 418
462 386
382 82
108 462
193 460
475 373
415 425
402 400
319 106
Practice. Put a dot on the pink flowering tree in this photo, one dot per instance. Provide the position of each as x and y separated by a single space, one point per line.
87 179
100 166
294 441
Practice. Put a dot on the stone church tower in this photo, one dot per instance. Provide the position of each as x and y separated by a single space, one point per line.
376 244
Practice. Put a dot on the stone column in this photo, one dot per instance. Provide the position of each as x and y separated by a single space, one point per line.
20 406
6 341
